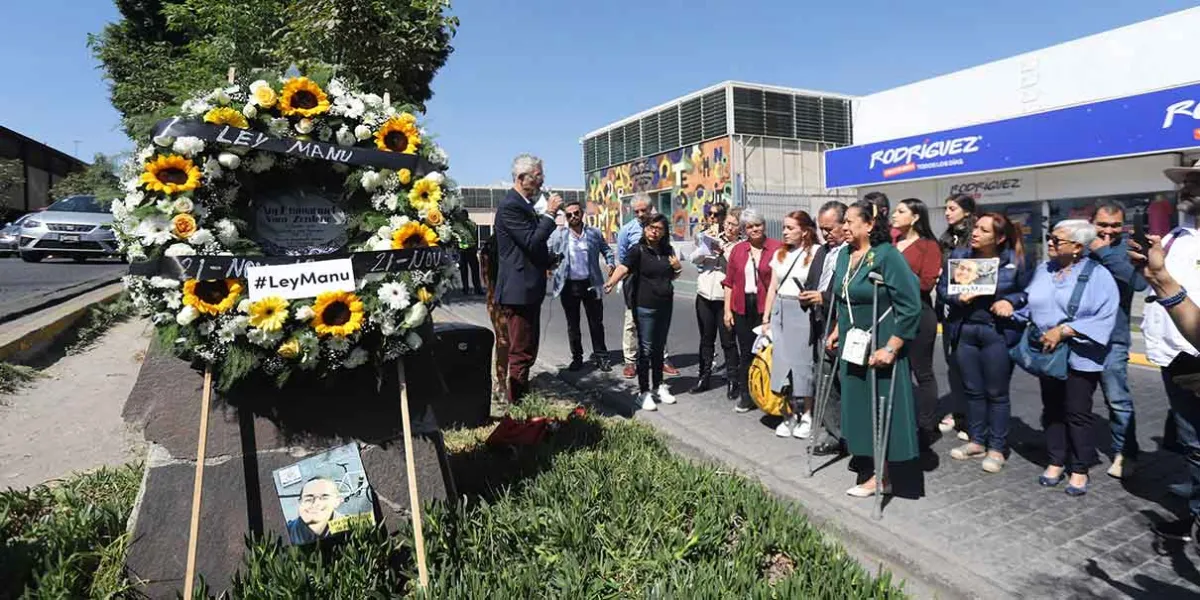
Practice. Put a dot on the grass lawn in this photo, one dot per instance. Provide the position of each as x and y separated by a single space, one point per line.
601 509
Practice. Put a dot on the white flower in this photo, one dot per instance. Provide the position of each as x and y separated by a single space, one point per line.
154 230
180 249
304 313
135 251
219 96
372 100
436 177
164 283
164 140
265 339
212 168
165 206
304 125
391 201
348 106
279 126
249 111
338 344
384 231
134 199
232 328
206 328
174 300
356 359
397 221
194 107
262 162
201 237
381 245
395 295
413 340
416 315
226 231
145 153
371 180
362 132
118 210
188 145
183 204
187 315
229 160
345 137
335 87
438 156
244 306
387 325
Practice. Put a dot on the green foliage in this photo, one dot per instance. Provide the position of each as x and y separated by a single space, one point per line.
163 51
98 320
12 174
239 362
99 179
67 540
14 377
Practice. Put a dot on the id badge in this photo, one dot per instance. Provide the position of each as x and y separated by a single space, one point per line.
856 346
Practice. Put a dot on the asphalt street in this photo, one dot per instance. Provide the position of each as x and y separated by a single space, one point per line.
19 280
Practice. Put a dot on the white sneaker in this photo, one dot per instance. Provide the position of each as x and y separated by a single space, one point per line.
804 429
964 436
785 427
648 401
664 394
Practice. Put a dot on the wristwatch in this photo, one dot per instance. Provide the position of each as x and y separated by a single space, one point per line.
889 350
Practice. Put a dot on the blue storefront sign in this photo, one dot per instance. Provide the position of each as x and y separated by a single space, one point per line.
1155 122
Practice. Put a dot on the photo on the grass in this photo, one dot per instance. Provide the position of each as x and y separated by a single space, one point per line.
325 494
975 276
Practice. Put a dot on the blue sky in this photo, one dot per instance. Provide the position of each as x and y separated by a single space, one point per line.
535 75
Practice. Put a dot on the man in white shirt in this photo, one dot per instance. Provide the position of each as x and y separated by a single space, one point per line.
1180 361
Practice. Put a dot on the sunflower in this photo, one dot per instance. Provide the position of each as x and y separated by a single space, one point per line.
170 174
269 313
414 235
302 97
399 134
183 225
425 194
212 296
226 116
337 313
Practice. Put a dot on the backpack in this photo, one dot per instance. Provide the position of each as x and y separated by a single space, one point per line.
759 376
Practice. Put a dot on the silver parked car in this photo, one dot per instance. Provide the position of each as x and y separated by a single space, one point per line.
79 227
8 236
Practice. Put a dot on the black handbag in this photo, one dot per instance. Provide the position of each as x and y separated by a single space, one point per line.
1029 354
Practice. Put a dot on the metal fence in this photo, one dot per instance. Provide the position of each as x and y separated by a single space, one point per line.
773 207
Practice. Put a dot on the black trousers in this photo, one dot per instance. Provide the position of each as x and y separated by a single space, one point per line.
920 358
468 260
575 292
1067 419
710 317
743 326
831 420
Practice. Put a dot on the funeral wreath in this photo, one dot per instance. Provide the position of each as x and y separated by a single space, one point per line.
289 172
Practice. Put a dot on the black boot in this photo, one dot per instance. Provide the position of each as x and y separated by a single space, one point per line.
732 389
704 382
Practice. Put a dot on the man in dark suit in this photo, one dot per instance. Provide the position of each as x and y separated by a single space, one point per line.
820 283
522 231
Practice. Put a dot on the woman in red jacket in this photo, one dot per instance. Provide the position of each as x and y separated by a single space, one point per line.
747 277
915 240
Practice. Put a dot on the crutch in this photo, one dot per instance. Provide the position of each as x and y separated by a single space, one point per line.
881 407
824 387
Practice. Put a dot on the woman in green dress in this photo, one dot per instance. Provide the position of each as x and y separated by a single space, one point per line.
867 231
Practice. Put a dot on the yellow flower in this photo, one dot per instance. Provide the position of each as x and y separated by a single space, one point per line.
337 313
264 94
269 313
425 194
399 134
170 174
226 116
183 225
213 297
424 295
434 217
289 349
405 176
414 235
302 97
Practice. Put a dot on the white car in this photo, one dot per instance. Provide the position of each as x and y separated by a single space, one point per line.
79 227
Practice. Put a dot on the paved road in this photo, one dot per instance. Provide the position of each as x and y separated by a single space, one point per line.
981 535
20 280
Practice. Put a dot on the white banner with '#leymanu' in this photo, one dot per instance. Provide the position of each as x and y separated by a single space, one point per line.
301 280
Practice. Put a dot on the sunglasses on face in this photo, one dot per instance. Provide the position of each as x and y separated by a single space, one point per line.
574 214
1054 241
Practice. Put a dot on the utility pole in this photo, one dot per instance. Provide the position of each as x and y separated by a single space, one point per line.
76 147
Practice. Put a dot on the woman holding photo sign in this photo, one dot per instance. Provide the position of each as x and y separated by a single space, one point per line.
876 299
980 329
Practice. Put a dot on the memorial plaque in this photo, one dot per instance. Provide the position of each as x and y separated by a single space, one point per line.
299 222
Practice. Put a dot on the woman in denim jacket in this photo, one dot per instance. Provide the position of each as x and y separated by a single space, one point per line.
981 330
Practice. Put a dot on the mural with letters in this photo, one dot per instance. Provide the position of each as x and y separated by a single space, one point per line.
695 176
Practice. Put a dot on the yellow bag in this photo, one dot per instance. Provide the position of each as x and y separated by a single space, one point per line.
760 384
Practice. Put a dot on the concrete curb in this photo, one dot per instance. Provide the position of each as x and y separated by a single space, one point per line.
926 573
25 338
33 303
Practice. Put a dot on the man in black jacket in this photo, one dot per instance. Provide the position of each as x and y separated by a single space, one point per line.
523 257
820 283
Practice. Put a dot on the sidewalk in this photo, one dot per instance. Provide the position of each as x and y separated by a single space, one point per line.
972 534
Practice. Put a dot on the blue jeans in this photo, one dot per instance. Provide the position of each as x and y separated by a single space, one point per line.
982 357
1115 384
652 327
1183 422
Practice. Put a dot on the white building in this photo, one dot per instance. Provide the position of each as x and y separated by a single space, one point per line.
1040 136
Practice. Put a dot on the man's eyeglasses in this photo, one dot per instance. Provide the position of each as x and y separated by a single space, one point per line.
309 499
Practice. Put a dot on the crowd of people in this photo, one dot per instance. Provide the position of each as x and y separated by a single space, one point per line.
852 303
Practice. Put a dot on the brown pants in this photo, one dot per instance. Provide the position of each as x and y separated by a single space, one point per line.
500 327
524 323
